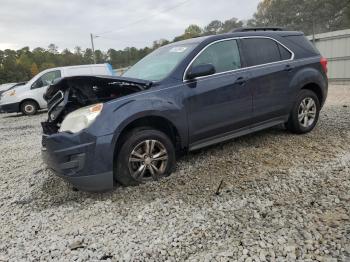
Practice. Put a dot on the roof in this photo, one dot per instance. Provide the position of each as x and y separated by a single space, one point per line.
198 40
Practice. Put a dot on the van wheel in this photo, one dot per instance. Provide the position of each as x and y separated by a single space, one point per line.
305 113
29 108
145 155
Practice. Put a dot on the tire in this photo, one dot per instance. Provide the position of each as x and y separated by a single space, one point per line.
29 108
141 167
303 119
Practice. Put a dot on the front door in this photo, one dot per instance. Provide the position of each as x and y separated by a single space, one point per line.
220 103
39 87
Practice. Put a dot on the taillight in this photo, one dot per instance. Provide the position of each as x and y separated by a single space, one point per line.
324 63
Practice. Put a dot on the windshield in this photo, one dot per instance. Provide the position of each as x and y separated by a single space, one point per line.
159 64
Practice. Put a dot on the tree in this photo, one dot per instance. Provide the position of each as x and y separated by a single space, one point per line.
53 49
190 32
231 24
159 43
34 69
22 64
100 57
303 15
213 28
88 56
45 66
77 50
193 31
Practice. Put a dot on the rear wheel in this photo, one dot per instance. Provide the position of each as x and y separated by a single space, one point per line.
145 155
29 108
305 113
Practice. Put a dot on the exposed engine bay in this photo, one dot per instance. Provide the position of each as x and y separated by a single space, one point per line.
72 93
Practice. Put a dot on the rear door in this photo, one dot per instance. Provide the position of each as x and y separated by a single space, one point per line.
220 103
270 68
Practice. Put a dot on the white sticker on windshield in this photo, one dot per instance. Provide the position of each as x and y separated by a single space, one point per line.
178 49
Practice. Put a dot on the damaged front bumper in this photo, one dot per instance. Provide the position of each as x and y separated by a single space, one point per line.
82 159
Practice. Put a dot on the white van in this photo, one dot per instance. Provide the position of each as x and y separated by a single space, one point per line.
28 98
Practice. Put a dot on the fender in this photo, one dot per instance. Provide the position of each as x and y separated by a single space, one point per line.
123 113
306 76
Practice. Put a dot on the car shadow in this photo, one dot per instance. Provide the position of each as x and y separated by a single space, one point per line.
18 115
198 174
54 191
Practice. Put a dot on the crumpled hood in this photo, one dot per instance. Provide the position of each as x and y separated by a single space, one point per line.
63 84
71 93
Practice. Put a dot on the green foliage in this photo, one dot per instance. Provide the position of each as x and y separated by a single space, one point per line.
34 69
218 27
214 27
23 64
305 15
193 31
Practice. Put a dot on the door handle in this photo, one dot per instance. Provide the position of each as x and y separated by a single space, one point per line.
288 68
241 81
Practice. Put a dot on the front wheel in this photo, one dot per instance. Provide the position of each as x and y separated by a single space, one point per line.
145 155
29 108
305 113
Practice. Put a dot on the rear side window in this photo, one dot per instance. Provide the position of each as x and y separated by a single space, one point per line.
259 51
224 56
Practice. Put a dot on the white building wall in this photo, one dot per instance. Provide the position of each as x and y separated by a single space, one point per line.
335 46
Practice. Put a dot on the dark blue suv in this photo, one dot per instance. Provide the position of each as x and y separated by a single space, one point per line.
182 97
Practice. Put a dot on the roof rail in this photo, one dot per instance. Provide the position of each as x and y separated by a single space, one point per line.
247 29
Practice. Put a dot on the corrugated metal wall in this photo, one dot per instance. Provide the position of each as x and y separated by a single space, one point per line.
335 46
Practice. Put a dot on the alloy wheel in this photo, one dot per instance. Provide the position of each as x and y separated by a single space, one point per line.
148 160
307 112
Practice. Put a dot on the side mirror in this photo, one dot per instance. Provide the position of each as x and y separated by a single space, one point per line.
200 70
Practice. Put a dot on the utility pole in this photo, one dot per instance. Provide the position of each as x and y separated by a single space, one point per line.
93 47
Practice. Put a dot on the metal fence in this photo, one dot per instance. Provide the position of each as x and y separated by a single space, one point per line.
335 46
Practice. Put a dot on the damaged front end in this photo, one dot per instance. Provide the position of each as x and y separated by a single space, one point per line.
72 93
74 153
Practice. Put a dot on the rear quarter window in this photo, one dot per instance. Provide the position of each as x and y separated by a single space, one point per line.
302 45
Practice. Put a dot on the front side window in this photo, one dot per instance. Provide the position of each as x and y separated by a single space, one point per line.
259 51
160 63
46 79
224 56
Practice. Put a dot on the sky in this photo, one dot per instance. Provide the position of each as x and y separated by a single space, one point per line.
68 23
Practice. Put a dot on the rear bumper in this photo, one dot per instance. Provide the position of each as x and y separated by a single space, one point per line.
9 108
82 159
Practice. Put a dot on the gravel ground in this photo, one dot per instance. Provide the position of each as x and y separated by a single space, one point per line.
284 197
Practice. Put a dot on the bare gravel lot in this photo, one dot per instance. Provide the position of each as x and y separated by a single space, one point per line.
284 197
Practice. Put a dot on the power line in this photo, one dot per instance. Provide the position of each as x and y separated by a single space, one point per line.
93 36
118 39
143 19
